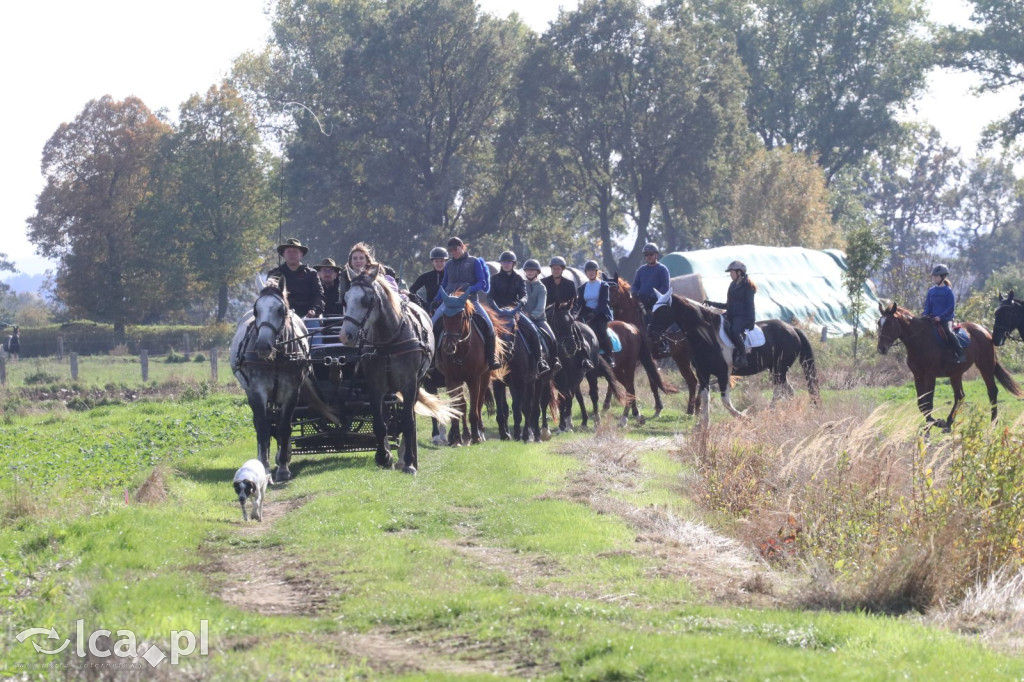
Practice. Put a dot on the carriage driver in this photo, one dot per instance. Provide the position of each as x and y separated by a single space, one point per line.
739 310
508 290
305 292
329 272
536 302
472 276
940 305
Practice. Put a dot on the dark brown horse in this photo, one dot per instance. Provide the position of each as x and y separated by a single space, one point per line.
929 356
461 360
635 351
1009 319
627 308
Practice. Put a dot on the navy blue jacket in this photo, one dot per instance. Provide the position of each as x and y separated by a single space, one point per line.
602 310
739 304
940 302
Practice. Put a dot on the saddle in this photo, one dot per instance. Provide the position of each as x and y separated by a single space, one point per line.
752 338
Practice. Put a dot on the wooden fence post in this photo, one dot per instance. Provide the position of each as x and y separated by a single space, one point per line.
187 344
144 363
74 366
60 347
3 369
824 334
213 364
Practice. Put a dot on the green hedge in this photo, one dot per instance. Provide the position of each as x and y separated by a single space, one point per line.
93 338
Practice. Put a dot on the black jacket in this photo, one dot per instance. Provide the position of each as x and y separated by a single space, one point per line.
564 291
334 299
431 281
739 304
508 289
305 291
602 311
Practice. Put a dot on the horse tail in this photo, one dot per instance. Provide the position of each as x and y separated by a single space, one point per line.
1007 381
653 374
807 362
430 405
308 392
553 401
502 344
489 397
618 390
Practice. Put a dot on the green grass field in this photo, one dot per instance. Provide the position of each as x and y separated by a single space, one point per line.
581 558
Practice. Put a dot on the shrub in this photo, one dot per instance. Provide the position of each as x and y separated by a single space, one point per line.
199 358
41 377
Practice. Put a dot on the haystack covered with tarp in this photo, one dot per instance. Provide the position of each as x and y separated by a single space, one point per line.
793 283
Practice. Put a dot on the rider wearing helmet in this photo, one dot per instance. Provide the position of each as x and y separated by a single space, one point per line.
536 302
560 290
430 281
651 276
940 305
739 310
592 297
508 290
471 276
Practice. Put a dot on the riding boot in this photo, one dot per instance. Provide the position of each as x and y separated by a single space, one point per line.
739 357
490 352
538 352
958 353
584 359
609 353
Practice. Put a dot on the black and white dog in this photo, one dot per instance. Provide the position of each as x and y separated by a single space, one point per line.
251 483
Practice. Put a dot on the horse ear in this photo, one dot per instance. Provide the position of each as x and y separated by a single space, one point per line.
352 273
373 271
1000 295
892 310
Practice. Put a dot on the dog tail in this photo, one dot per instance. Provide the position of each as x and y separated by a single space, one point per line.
441 409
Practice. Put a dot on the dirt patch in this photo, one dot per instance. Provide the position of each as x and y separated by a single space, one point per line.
718 566
395 652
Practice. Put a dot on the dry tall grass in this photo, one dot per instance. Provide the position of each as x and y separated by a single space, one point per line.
880 519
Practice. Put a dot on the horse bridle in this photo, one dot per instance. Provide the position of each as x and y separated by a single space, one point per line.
276 330
445 334
1017 323
361 324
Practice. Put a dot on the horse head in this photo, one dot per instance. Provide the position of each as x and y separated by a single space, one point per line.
456 311
360 301
270 317
890 326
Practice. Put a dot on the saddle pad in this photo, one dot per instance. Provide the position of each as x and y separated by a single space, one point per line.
616 342
752 338
962 337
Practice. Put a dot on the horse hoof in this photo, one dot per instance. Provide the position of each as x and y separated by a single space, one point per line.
657 413
439 440
623 421
409 469
641 420
282 475
545 435
505 436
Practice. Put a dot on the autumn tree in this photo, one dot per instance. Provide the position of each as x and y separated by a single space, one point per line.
865 252
827 77
989 216
780 199
217 194
97 171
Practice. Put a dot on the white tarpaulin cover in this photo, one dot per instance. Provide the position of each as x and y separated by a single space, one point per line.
793 283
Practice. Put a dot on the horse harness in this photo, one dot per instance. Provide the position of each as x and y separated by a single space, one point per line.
389 348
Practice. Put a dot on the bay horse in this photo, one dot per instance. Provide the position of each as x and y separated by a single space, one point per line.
701 325
568 330
929 356
461 360
1009 319
531 391
628 309
270 358
396 342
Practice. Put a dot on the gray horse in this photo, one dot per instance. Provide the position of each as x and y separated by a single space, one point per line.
397 349
269 356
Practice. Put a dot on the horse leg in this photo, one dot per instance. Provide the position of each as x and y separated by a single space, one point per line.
458 394
380 430
501 405
705 404
925 387
284 441
957 382
595 395
409 430
682 360
476 398
264 429
517 412
725 385
993 391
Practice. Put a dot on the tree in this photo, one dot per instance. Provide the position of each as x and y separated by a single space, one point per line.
644 108
97 171
780 199
865 252
909 189
990 47
412 96
6 307
828 77
218 193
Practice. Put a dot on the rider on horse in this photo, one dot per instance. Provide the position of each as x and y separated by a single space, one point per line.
592 296
739 310
650 278
471 276
940 305
508 290
305 292
562 293
536 302
430 282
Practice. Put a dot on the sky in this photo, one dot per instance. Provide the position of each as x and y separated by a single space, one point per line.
60 54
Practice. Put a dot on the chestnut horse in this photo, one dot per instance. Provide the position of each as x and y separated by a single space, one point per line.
929 356
627 308
461 360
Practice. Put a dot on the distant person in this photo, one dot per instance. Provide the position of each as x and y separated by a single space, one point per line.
650 278
536 302
14 344
305 292
430 282
329 272
360 257
470 275
561 291
739 310
508 290
939 304
592 298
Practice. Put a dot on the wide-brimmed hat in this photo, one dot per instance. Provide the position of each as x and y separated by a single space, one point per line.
292 242
327 263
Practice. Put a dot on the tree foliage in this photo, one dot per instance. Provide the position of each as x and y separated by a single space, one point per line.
865 253
97 171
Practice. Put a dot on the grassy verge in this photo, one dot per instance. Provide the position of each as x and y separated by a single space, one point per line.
577 559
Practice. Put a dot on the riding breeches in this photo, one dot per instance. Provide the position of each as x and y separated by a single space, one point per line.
600 327
735 329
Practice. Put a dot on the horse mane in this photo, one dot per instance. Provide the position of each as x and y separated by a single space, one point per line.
625 287
276 287
386 292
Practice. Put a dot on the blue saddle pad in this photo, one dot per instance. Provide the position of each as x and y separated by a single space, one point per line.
616 342
962 337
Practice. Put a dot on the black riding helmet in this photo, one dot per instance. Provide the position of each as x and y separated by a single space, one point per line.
438 252
507 257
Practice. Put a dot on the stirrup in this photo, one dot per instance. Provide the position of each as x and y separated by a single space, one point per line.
542 366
